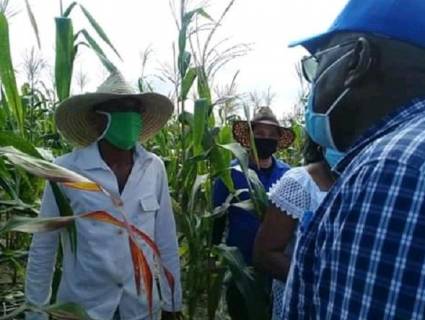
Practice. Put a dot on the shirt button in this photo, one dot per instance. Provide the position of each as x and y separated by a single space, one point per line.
120 232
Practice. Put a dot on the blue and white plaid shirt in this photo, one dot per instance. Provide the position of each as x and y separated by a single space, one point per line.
363 254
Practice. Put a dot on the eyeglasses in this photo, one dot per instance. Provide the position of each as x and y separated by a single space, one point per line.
310 64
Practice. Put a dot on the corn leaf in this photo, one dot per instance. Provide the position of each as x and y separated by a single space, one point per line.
69 9
259 195
186 21
7 75
148 240
6 113
257 192
33 23
203 13
215 291
247 205
10 139
203 86
108 218
220 159
188 16
186 118
240 153
35 225
199 181
104 217
83 185
99 30
187 83
65 54
6 181
199 124
65 210
242 275
172 284
135 255
184 62
222 209
167 274
141 269
99 52
147 280
47 170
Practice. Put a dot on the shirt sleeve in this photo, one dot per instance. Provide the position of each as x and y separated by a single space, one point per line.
166 240
291 193
42 258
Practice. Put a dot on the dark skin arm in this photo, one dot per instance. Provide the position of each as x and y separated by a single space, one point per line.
273 236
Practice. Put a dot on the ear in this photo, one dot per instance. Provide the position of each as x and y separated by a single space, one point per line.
361 62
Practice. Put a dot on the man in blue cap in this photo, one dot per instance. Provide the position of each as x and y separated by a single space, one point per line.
363 253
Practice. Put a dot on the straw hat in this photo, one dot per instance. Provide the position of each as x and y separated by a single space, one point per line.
73 114
263 115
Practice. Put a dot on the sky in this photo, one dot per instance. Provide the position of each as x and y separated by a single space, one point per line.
134 25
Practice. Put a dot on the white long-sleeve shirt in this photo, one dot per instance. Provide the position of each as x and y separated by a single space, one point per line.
100 276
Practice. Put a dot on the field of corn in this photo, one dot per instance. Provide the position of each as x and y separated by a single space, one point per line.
196 146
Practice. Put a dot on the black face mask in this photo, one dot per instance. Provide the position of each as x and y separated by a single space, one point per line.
265 147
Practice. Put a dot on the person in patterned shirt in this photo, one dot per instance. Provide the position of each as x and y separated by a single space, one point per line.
362 255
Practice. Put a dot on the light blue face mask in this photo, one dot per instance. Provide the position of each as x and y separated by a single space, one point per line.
318 125
333 157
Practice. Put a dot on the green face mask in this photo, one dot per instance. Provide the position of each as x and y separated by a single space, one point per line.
124 129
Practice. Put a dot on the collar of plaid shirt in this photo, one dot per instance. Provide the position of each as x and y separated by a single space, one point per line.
386 125
363 254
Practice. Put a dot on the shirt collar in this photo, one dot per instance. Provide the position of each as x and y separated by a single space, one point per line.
89 157
278 164
275 165
384 126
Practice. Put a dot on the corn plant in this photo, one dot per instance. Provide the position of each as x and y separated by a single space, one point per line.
68 43
206 150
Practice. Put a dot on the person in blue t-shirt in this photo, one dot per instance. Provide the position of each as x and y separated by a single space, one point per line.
242 225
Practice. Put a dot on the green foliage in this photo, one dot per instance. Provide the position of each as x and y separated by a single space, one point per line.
99 30
33 22
67 46
65 54
7 76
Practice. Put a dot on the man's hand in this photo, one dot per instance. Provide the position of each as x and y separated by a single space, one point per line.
166 315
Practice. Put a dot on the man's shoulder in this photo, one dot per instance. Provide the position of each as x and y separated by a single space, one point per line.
400 151
404 145
68 159
152 156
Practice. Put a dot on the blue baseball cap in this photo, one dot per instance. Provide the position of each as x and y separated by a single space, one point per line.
402 20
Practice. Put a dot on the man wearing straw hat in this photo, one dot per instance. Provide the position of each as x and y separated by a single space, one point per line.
107 128
363 253
243 225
